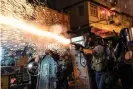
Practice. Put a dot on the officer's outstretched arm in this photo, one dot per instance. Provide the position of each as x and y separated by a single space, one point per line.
88 51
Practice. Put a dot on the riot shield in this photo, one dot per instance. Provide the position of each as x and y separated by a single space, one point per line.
47 76
81 75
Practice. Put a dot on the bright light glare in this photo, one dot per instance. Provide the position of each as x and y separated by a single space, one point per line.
112 8
26 27
30 66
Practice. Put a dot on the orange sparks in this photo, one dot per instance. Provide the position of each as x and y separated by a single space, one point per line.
28 28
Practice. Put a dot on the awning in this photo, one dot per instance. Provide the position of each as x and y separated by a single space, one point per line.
107 27
102 33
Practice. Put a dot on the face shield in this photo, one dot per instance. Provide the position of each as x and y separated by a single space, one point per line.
131 34
126 35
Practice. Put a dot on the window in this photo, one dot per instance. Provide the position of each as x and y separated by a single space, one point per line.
81 10
102 13
93 10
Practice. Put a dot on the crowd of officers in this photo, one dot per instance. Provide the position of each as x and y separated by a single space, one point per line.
106 66
106 63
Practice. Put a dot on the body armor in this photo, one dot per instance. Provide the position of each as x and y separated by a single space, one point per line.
98 62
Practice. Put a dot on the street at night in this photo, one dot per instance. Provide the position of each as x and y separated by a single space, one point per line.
66 44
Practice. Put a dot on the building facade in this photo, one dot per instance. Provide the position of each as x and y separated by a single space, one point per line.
126 6
102 14
109 15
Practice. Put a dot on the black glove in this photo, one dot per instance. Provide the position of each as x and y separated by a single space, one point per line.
78 46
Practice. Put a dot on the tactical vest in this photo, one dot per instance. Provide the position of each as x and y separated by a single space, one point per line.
97 63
